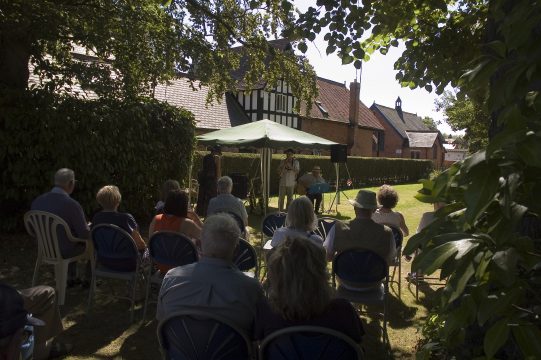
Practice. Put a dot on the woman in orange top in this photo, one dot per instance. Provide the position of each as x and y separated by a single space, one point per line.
177 218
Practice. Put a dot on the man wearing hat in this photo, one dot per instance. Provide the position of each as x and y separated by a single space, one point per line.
361 232
288 171
34 306
309 179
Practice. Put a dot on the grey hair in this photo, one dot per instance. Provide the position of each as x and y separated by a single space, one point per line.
225 185
300 214
63 177
220 236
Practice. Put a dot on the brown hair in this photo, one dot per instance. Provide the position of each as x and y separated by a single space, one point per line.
176 203
168 186
387 197
298 278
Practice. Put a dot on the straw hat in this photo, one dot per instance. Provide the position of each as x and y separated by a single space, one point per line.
316 168
365 199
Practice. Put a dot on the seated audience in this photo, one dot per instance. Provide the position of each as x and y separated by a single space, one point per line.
167 186
109 198
388 198
225 202
300 221
58 202
15 310
309 179
361 233
300 293
177 218
214 284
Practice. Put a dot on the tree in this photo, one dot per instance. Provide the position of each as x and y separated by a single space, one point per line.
430 123
463 113
142 42
486 240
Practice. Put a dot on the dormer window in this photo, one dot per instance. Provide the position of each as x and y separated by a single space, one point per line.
321 108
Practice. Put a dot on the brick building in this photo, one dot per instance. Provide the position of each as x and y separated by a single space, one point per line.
406 136
337 114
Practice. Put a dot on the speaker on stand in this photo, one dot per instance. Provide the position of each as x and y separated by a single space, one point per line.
339 153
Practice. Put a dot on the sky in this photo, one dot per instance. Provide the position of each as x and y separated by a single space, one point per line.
378 82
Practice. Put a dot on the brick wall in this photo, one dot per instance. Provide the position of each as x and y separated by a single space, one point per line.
393 140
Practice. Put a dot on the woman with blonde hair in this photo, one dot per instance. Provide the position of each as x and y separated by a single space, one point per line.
300 221
300 294
387 199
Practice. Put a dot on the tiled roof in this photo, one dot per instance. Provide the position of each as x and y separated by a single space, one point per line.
406 122
333 104
225 114
421 139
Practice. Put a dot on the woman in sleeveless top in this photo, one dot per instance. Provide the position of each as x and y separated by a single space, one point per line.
300 221
177 218
388 198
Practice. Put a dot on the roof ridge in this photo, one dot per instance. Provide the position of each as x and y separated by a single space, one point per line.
332 82
392 108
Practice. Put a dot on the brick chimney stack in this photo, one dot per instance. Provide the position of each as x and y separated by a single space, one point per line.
354 90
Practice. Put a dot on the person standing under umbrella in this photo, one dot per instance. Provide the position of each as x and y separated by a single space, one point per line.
208 177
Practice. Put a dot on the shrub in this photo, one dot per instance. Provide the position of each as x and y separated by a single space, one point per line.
134 145
362 171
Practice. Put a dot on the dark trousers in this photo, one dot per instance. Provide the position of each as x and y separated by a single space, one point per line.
317 198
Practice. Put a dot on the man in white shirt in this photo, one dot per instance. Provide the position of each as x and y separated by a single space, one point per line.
288 170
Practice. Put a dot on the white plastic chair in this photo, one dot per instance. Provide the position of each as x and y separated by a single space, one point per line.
44 226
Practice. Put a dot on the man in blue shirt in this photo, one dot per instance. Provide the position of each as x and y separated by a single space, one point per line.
58 202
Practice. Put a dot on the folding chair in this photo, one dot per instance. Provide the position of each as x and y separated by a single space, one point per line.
45 227
324 226
365 269
309 342
245 259
269 225
117 258
397 261
171 249
187 335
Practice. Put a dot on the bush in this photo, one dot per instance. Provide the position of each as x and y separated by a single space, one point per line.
363 171
134 145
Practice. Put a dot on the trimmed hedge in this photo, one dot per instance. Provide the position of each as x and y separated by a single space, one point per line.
363 171
135 146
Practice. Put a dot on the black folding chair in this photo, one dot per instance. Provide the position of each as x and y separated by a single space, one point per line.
309 342
269 225
245 258
170 249
189 335
370 274
324 226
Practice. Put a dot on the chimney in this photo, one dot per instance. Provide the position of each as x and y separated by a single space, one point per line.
398 108
354 90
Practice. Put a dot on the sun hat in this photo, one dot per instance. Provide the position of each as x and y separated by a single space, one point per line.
316 168
365 199
13 315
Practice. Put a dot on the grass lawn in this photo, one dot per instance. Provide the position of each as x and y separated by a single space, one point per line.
106 332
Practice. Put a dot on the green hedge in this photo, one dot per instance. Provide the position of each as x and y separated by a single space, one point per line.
135 146
363 171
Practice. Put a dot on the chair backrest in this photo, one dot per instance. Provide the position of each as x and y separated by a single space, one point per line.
272 222
187 335
114 245
45 227
324 226
398 236
360 266
245 257
309 342
172 249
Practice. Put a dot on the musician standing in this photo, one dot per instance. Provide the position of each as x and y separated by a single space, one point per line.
309 179
288 171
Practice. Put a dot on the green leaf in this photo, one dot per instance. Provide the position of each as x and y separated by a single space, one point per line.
496 337
527 337
302 47
430 260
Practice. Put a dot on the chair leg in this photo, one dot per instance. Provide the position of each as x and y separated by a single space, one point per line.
61 276
147 292
36 268
400 277
134 287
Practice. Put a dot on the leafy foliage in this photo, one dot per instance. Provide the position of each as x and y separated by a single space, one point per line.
464 113
140 43
430 123
134 145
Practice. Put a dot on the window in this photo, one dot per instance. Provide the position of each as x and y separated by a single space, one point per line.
415 154
281 102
